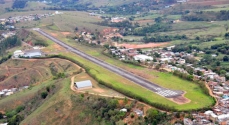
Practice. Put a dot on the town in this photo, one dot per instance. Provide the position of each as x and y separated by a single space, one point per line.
165 59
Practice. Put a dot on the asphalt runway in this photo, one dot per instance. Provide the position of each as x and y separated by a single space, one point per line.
130 76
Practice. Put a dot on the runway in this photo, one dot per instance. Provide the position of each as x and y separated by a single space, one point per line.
126 74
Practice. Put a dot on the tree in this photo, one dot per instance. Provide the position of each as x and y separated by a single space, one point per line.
223 72
226 35
152 113
1 115
217 63
225 59
226 27
76 29
199 73
158 19
44 95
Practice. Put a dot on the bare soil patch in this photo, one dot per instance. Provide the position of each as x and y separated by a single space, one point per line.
180 99
54 34
65 33
139 46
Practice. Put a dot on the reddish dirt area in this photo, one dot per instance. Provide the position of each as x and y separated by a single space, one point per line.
66 33
181 100
209 2
54 34
109 30
139 46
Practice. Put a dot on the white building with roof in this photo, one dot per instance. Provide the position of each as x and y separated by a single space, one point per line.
143 58
32 53
83 85
18 53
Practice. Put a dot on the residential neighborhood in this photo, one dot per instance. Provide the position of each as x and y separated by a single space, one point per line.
170 61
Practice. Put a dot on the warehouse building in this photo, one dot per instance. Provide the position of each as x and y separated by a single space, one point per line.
83 85
33 53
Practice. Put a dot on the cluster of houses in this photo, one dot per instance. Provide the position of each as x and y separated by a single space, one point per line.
7 34
7 92
88 37
165 59
118 19
219 113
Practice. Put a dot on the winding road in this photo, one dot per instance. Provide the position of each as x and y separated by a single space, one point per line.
130 76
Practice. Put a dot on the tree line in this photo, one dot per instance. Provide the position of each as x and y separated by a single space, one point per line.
8 43
207 16
163 38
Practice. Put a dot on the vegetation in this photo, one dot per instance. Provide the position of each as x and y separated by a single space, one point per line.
129 93
207 16
19 4
165 38
8 43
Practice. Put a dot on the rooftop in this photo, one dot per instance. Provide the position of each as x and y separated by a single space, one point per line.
82 84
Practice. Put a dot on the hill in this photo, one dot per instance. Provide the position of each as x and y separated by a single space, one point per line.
52 101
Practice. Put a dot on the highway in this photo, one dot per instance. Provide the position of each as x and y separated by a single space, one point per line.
130 76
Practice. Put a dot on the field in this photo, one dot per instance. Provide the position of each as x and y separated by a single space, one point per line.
140 46
208 2
194 93
107 2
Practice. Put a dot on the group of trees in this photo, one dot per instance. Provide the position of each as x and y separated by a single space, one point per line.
158 27
19 4
107 109
164 38
8 43
13 116
123 24
185 48
222 48
207 16
183 75
155 117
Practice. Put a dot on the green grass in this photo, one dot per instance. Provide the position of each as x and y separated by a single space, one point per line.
174 17
193 25
194 92
218 9
148 17
203 45
99 3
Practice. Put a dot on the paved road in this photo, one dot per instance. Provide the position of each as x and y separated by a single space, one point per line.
134 78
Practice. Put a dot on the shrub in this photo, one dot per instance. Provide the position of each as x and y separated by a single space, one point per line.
44 95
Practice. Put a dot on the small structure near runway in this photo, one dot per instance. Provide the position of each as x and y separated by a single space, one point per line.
83 85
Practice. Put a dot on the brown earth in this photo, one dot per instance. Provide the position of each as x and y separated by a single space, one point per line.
66 33
180 99
140 46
